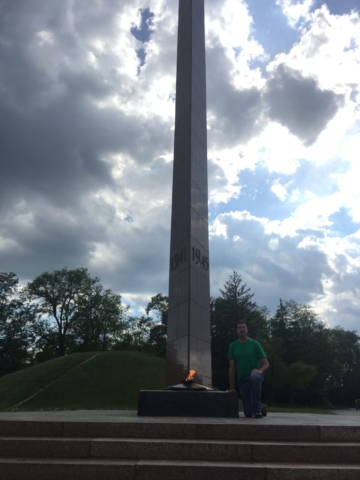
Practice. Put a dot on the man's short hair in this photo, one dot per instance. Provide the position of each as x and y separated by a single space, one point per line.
242 321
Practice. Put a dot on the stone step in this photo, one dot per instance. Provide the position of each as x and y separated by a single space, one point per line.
61 469
181 430
189 449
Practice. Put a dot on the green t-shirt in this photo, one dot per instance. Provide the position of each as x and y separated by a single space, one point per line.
247 356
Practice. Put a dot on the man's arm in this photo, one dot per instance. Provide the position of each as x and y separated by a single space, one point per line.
264 366
232 376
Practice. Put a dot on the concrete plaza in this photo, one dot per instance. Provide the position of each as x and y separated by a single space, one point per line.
339 418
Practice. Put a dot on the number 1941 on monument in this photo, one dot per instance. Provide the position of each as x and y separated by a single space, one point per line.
179 258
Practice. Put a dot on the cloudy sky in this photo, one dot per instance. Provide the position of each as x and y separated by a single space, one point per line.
86 144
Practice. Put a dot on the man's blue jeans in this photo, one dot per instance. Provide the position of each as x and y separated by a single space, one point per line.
250 391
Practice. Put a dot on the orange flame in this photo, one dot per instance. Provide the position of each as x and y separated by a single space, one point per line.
191 375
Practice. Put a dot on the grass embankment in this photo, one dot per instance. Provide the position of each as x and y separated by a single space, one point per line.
110 380
92 380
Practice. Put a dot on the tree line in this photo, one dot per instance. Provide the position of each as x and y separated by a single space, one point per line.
68 311
310 363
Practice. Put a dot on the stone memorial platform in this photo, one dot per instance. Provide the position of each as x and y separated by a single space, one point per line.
109 445
183 403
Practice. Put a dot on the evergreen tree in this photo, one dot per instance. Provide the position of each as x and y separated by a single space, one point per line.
299 337
235 303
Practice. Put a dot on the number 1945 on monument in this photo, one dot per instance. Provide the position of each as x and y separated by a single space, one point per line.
196 256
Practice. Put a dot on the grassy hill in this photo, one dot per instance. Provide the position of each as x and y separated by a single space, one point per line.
92 380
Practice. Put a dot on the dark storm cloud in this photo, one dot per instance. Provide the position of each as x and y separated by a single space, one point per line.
47 239
57 152
53 137
238 112
57 145
83 180
294 101
142 260
271 270
299 104
139 250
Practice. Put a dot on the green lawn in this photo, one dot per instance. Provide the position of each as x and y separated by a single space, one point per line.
92 380
111 380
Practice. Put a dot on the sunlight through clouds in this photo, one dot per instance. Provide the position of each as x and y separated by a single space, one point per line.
87 103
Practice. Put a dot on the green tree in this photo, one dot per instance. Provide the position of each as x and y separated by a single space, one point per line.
99 320
343 382
136 335
16 338
235 303
299 379
144 333
158 330
71 305
298 336
160 304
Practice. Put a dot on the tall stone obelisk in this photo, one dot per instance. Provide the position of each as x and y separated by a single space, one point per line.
188 346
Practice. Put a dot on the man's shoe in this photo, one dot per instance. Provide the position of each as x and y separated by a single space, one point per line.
258 414
263 410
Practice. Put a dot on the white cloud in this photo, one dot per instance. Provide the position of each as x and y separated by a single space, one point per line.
328 50
87 144
322 271
295 10
279 190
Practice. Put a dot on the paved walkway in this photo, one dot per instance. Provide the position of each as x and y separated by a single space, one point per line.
341 418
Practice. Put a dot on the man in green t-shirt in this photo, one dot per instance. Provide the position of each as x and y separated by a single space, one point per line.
248 361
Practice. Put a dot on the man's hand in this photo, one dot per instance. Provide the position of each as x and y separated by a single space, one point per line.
264 366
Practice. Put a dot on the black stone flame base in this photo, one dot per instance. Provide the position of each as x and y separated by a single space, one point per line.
187 402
